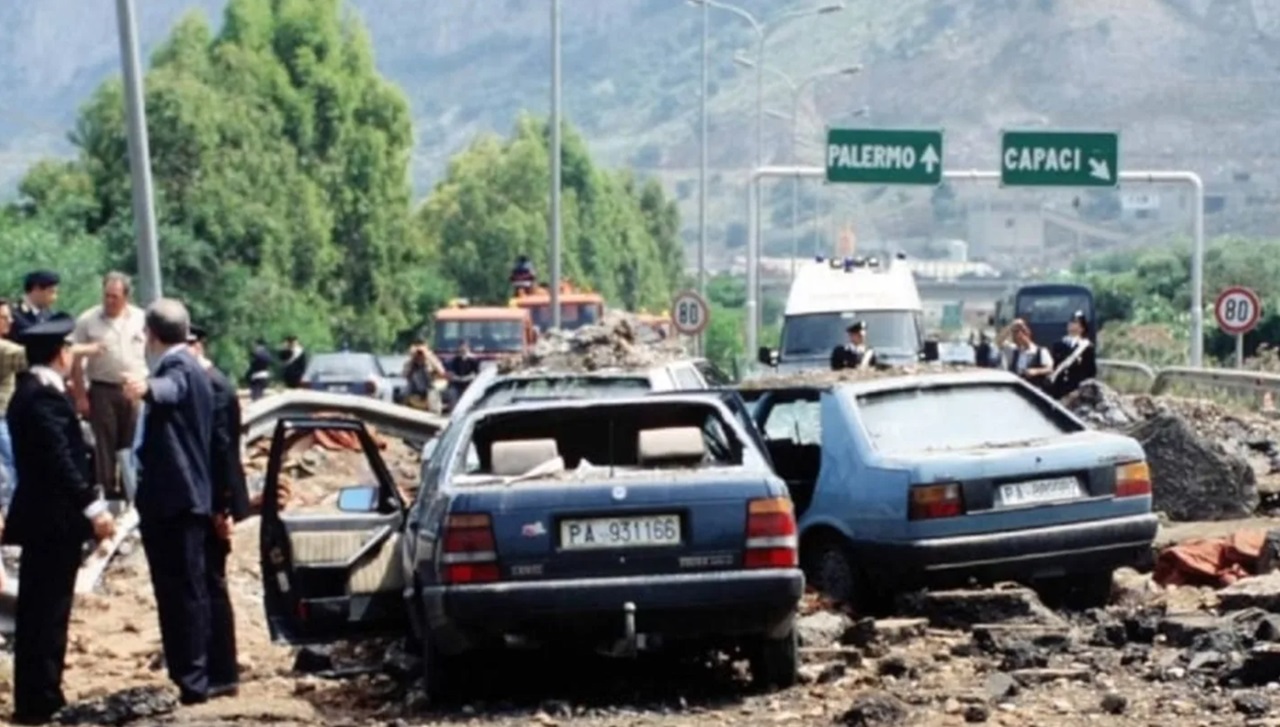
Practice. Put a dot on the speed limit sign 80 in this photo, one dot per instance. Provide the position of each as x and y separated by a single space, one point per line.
689 313
1237 310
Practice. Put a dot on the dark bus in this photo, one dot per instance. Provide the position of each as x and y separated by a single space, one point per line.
1046 307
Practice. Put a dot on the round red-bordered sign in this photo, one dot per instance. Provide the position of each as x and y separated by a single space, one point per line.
690 313
1237 310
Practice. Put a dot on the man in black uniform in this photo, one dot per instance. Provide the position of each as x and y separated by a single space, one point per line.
55 511
259 374
1078 361
39 293
855 354
230 505
463 369
293 362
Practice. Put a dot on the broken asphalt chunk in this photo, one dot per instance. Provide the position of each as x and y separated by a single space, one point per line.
961 609
874 709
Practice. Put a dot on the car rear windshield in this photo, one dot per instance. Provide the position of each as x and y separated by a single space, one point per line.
510 391
343 366
956 417
693 436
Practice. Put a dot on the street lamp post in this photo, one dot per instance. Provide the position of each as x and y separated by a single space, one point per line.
555 164
762 31
797 90
144 208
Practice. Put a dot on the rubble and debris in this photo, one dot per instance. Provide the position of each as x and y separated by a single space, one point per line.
121 708
618 341
963 608
1206 461
875 709
1261 592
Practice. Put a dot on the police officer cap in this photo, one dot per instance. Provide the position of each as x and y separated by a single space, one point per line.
1079 317
857 327
49 333
196 334
40 279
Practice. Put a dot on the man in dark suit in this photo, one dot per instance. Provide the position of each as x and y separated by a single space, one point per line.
55 511
175 497
230 505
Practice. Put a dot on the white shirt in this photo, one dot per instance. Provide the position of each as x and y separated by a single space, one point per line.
53 379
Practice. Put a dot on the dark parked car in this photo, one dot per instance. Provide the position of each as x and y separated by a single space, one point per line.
348 372
393 371
621 525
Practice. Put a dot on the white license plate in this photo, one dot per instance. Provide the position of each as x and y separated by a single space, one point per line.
620 532
1036 491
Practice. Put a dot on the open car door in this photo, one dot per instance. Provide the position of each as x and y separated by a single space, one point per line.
331 570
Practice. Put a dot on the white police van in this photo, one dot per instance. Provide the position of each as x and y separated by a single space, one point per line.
828 295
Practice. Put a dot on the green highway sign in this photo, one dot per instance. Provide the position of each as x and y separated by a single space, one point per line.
884 156
1059 159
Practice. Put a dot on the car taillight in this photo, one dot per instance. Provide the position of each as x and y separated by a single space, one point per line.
771 534
930 502
371 387
469 552
1133 480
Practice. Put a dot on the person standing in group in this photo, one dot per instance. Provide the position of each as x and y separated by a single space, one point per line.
294 363
13 359
1023 357
259 374
230 502
1077 361
118 329
53 514
175 497
39 293
463 369
421 372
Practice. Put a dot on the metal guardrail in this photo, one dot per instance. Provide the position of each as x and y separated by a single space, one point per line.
259 418
1160 379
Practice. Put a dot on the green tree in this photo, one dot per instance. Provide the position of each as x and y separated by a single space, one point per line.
620 236
280 159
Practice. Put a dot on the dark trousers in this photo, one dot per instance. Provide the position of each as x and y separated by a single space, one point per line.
47 583
257 387
223 668
113 418
176 548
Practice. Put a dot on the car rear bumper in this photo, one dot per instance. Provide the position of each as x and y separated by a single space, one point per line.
702 606
1024 554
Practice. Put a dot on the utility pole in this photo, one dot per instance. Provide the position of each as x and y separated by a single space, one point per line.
555 163
144 213
702 176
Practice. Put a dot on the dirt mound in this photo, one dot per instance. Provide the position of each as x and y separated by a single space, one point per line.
1205 459
619 341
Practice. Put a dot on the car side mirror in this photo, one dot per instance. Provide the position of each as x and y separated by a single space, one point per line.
362 499
930 351
767 356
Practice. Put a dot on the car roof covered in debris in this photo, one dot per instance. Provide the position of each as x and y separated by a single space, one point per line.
873 380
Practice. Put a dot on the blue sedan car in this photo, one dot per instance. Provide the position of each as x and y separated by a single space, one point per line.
617 525
939 479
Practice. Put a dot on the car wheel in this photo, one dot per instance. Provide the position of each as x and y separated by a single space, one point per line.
830 569
775 663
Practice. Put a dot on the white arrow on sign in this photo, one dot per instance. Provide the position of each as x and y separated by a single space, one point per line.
929 158
1100 169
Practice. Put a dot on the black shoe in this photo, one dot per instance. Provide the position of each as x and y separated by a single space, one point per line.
224 690
190 698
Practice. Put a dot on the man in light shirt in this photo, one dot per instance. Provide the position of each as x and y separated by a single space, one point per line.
116 329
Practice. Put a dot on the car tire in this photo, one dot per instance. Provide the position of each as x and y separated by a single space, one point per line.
829 568
775 663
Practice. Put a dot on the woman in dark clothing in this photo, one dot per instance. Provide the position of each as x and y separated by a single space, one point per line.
1076 357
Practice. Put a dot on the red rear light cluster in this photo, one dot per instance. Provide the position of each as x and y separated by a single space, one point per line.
771 534
1133 480
469 553
371 387
930 502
